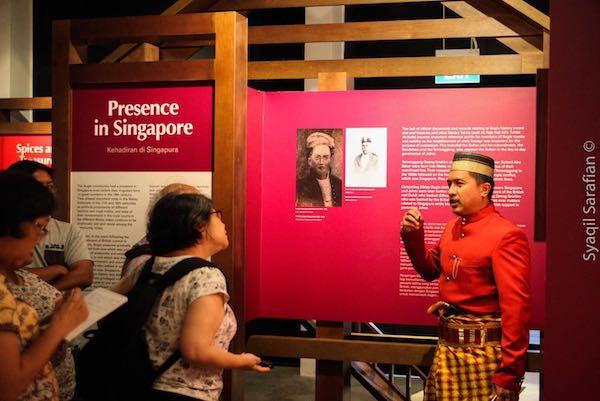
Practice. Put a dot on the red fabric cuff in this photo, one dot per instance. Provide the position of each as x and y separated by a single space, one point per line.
414 239
506 381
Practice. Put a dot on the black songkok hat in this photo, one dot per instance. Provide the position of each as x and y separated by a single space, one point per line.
473 163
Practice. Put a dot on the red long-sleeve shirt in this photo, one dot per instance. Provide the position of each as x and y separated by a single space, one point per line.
483 265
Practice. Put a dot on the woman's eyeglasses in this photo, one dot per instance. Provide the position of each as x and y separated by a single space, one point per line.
219 213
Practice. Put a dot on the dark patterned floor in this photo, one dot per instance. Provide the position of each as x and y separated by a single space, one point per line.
285 384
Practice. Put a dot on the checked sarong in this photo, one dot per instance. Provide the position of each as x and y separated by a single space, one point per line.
463 372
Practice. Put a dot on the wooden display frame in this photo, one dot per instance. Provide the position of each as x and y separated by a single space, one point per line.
228 71
10 105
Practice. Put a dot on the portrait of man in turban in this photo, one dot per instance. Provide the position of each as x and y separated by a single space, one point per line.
316 184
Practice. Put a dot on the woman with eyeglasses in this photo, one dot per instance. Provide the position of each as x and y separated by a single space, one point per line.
25 369
140 253
29 287
193 315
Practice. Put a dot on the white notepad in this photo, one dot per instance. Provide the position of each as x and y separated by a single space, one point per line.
100 303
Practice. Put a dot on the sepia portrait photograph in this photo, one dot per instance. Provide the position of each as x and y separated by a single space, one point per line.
319 167
366 157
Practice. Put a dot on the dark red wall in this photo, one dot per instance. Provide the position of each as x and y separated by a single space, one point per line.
571 342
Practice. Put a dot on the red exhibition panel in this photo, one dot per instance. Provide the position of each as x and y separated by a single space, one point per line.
127 144
25 147
143 129
346 262
256 101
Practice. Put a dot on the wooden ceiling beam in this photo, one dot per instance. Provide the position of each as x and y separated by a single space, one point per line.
533 14
26 103
77 54
120 52
179 7
38 128
187 44
144 52
141 29
357 31
533 44
519 45
398 66
174 53
463 9
507 15
528 11
236 5
137 72
199 6
381 30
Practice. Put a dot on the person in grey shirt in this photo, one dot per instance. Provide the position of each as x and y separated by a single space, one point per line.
62 258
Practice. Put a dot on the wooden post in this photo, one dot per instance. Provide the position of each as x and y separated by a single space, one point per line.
230 79
546 62
61 115
229 182
13 122
335 81
541 152
333 377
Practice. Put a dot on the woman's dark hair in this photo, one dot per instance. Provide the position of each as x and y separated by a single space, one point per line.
30 167
176 221
23 199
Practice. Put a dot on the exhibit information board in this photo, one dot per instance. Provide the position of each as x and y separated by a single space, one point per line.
25 147
128 143
330 249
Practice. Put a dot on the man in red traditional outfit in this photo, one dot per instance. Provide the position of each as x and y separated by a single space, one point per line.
482 262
